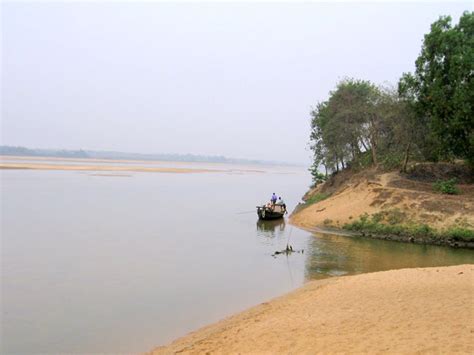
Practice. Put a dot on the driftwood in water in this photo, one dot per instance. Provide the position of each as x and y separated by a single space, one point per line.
288 250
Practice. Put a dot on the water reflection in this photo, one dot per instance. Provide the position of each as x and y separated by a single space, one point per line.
271 229
330 255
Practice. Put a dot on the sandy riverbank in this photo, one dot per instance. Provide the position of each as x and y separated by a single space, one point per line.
427 310
392 195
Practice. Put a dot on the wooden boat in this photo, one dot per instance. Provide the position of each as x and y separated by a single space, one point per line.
267 212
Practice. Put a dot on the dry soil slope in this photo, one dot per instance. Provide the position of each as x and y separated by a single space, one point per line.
371 192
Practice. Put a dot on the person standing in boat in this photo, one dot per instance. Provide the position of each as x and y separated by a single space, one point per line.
273 199
281 202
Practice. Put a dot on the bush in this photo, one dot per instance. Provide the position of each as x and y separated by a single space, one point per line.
377 217
446 187
364 161
316 198
391 161
373 224
421 230
459 233
318 177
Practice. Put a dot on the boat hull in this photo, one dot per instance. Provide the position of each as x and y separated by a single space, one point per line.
266 214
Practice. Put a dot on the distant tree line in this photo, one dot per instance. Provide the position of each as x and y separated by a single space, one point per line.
428 117
94 154
56 153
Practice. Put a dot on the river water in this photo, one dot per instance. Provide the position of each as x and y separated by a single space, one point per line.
124 263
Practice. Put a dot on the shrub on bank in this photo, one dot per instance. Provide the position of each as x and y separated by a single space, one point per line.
459 233
373 224
446 186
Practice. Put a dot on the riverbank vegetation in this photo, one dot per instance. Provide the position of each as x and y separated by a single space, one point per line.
398 161
394 205
393 223
428 117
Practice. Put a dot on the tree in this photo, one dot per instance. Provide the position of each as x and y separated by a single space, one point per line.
361 124
345 126
442 87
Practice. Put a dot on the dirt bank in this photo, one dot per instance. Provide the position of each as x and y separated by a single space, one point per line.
401 311
402 198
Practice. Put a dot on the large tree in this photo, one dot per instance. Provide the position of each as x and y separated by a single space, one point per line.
442 87
361 124
347 125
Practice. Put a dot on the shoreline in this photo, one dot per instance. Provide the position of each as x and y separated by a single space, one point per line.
407 310
388 206
427 240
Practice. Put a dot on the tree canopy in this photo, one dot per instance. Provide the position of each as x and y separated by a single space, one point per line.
442 87
429 117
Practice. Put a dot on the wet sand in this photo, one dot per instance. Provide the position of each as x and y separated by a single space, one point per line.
429 310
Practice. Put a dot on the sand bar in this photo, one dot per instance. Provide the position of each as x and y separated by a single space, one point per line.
115 165
40 166
429 310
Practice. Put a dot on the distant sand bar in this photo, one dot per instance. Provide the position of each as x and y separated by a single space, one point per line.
40 166
79 164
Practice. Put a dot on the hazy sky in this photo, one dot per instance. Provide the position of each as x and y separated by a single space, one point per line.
216 79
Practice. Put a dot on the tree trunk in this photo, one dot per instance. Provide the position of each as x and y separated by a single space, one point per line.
374 154
373 138
405 161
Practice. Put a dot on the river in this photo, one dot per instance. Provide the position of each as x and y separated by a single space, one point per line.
120 263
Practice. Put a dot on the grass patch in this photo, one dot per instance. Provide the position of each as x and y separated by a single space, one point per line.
459 233
390 223
316 198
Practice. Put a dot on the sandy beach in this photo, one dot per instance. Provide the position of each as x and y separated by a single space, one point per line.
424 310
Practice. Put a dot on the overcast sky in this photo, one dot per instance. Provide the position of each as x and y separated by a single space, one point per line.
215 79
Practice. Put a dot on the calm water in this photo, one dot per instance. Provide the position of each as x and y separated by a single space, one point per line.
123 264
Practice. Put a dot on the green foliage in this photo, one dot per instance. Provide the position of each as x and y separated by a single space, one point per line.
375 224
459 234
361 125
318 177
377 217
446 187
316 198
430 117
442 88
363 161
340 125
391 161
